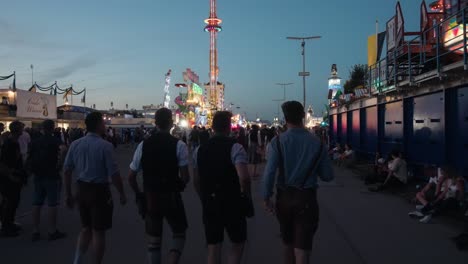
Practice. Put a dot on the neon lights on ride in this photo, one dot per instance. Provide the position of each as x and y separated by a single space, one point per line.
196 89
167 84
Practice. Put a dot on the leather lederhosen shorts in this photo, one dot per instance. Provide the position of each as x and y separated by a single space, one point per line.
298 216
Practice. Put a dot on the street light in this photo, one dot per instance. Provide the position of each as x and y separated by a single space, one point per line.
284 88
278 101
304 73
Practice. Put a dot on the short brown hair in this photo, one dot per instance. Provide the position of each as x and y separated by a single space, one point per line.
222 122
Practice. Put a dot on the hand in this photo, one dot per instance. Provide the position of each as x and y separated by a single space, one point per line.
70 201
123 199
269 206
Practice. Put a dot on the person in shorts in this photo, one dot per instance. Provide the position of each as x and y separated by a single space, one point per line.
92 159
301 159
45 163
164 160
223 183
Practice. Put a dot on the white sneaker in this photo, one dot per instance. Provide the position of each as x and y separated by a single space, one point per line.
426 219
419 207
416 214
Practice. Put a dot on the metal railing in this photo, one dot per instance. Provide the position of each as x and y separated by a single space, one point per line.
421 58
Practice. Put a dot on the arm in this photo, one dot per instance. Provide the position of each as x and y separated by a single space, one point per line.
196 175
67 175
135 167
272 166
244 179
113 171
183 161
325 168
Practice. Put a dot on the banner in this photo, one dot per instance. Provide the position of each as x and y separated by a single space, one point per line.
391 33
35 105
372 50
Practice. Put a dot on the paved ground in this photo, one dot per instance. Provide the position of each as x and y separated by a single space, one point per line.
356 227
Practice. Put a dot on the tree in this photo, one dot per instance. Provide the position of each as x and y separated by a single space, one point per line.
358 76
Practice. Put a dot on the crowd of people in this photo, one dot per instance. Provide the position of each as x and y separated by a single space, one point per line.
221 177
220 158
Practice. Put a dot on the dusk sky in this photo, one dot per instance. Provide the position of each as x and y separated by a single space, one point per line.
121 49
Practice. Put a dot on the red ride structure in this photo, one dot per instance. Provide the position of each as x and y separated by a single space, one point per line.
213 27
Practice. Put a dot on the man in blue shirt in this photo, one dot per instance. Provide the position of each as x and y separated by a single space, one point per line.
301 159
92 159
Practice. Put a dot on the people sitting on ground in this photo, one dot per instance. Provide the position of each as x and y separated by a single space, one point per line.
397 175
449 199
429 192
380 169
335 152
347 158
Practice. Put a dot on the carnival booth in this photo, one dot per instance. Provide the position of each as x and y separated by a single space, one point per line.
28 107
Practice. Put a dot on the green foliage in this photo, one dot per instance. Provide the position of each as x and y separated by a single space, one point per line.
358 76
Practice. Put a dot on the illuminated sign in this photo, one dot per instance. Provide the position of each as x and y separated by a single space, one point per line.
196 89
334 84
190 75
453 36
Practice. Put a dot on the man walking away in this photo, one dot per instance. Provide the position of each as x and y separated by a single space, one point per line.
44 162
300 158
164 160
12 179
224 188
92 159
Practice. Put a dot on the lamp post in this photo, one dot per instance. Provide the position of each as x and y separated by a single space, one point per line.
304 74
284 88
32 75
278 101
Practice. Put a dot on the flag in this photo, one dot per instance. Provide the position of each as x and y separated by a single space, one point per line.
374 47
380 43
337 95
83 100
14 82
361 92
372 50
32 89
347 97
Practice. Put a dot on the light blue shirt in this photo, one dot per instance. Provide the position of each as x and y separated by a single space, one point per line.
182 156
299 148
93 159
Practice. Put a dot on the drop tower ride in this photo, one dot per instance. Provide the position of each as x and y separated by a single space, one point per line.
214 88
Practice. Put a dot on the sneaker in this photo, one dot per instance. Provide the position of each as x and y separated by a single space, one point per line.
426 219
419 207
36 236
415 214
56 235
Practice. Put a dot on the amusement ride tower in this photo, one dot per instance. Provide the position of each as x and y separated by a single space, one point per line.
215 89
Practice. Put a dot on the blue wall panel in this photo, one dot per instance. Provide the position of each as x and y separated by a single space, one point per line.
457 129
354 128
427 140
344 128
369 129
391 136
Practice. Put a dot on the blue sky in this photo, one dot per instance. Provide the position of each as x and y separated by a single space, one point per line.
121 49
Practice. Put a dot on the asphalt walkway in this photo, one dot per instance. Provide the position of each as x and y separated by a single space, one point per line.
356 226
